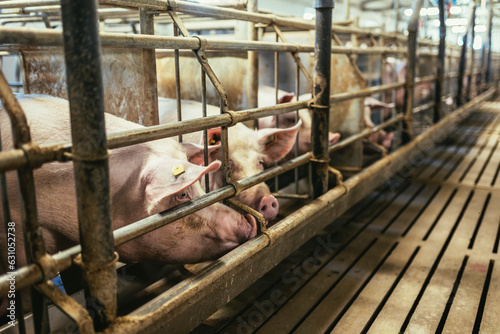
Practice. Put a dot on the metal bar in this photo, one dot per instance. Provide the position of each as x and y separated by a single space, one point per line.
321 96
276 97
410 72
34 244
396 15
27 3
86 99
473 34
149 71
487 75
178 81
182 308
252 87
42 38
205 132
438 107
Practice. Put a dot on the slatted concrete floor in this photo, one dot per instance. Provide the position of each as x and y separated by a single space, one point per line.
418 255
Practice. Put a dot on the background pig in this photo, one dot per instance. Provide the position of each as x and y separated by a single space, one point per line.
380 137
267 97
248 151
141 184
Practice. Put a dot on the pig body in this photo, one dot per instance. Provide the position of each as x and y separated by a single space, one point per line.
249 150
141 184
381 137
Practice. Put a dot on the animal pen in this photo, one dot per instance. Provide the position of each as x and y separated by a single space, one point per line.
382 197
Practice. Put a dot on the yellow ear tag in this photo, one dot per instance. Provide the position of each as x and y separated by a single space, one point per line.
178 169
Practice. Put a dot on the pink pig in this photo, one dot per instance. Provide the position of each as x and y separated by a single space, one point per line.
142 183
249 150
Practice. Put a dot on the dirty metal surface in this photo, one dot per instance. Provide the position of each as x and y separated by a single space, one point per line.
122 79
418 255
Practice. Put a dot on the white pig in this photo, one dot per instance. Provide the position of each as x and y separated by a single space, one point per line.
142 183
248 151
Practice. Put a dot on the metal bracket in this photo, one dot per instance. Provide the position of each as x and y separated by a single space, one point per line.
339 178
260 218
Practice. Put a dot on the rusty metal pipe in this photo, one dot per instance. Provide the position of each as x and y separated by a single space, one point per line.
90 157
473 35
149 71
321 96
27 3
438 107
410 72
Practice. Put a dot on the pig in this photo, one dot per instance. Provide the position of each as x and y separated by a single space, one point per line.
381 137
142 183
249 150
267 98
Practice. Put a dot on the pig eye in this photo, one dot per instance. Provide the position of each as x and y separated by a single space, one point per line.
183 195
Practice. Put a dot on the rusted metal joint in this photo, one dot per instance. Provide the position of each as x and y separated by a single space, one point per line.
171 5
339 177
201 49
233 116
74 157
33 154
92 268
47 266
317 106
323 161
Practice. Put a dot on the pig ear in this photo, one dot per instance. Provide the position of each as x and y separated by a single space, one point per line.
195 152
277 142
160 182
286 98
213 136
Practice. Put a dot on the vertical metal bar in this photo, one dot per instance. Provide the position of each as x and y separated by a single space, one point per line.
471 69
205 132
321 94
347 9
276 86
487 74
253 63
149 71
461 71
297 92
178 81
7 219
90 157
438 107
396 15
410 72
33 241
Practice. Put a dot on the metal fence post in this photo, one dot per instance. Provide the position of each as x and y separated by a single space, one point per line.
90 157
321 106
463 60
487 75
410 72
149 71
438 107
252 89
471 70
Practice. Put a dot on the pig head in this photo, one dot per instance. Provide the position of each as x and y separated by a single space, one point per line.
249 150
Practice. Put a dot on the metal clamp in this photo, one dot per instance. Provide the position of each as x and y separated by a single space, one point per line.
33 154
74 157
339 177
201 49
92 268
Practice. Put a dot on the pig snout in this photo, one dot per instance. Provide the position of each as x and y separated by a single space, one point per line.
268 206
333 137
253 226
